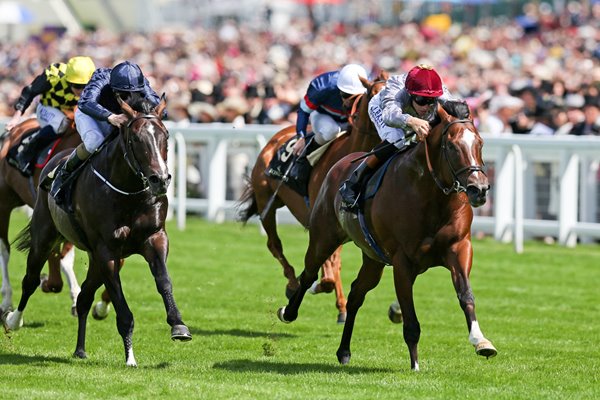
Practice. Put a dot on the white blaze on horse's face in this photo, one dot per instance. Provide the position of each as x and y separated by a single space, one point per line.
469 137
157 156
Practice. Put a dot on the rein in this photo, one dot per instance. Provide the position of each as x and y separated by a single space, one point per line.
131 160
456 185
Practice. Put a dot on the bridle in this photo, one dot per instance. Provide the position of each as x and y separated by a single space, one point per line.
129 154
456 185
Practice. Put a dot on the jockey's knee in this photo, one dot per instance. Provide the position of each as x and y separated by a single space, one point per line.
326 133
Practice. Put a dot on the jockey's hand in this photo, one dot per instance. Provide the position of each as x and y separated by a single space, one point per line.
118 119
420 127
299 146
13 121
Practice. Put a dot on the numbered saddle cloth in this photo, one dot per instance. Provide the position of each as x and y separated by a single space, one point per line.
298 176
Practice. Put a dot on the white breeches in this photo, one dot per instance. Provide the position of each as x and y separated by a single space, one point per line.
325 127
54 117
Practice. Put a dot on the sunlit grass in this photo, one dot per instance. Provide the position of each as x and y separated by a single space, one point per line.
540 309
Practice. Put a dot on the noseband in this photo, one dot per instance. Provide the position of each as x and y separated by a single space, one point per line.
456 185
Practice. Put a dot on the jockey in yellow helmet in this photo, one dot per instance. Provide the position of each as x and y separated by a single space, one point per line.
59 87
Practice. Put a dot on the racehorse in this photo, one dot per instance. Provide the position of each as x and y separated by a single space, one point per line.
17 190
419 218
130 175
361 136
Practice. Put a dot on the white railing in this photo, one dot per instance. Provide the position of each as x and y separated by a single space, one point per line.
512 217
511 214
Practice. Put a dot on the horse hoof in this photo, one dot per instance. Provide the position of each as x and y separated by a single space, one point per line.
485 349
80 354
343 357
100 310
341 318
181 333
394 313
280 314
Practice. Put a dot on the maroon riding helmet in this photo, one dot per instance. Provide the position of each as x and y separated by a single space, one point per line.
422 80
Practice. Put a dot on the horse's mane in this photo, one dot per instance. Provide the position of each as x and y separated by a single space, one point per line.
141 104
457 108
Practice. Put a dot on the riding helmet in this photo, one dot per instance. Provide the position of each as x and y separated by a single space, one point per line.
127 77
79 70
348 79
422 80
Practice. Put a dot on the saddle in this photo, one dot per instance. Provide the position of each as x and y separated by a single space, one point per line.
42 157
298 176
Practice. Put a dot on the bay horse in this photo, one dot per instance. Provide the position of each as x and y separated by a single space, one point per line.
130 175
361 136
419 218
17 190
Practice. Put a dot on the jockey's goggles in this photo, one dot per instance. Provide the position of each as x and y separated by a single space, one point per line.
424 101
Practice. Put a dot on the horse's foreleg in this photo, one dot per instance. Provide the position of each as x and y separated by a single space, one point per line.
67 266
368 278
85 299
403 283
275 246
331 279
52 283
155 253
459 262
6 289
102 308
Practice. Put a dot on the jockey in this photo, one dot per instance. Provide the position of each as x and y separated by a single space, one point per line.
323 104
60 86
407 105
99 112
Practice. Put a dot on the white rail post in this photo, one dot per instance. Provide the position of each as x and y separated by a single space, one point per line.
519 189
217 179
569 199
181 180
504 195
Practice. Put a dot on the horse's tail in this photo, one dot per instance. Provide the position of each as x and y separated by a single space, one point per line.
23 239
247 206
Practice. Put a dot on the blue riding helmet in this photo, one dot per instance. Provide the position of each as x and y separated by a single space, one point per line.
127 77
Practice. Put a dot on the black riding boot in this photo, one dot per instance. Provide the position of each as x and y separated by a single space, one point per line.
26 157
63 174
350 189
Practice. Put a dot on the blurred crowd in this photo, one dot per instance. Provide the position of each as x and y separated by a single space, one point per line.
538 73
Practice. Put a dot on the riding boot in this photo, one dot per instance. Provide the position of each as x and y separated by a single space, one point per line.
351 188
64 173
26 157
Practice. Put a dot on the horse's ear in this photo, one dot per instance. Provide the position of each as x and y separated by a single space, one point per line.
125 107
444 116
161 106
365 82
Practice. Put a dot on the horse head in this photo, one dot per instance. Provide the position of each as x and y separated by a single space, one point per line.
359 116
460 148
146 140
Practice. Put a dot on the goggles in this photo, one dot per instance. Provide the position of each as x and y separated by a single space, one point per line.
424 101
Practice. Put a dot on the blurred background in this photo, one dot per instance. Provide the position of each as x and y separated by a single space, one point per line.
525 67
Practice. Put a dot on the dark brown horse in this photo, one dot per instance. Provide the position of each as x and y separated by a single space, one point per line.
419 218
130 175
17 190
361 136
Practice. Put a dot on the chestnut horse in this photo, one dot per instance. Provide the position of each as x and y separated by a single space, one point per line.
361 136
17 190
130 175
419 218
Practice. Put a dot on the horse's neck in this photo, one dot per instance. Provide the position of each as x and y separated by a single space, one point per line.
112 162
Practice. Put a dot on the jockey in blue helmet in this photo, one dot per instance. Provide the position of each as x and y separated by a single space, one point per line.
99 112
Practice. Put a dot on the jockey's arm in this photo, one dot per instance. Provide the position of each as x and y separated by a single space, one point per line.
38 86
390 100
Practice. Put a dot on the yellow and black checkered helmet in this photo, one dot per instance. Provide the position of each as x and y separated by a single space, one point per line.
79 70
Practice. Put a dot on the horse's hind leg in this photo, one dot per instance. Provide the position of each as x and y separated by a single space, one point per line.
269 223
155 253
368 278
321 245
331 280
6 289
43 238
459 262
67 266
85 299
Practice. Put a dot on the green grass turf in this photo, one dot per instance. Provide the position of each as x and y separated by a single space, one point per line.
540 309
